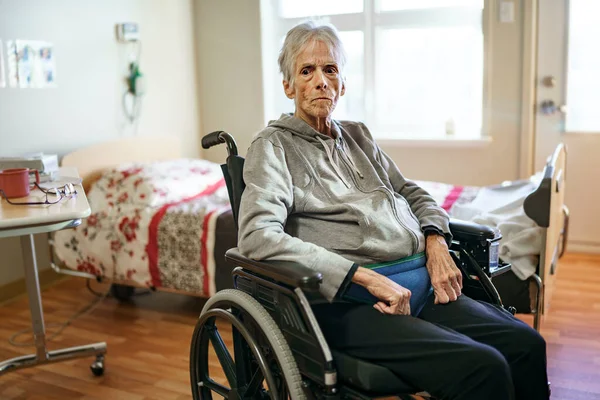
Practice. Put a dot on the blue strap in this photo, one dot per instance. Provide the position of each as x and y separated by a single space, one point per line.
410 273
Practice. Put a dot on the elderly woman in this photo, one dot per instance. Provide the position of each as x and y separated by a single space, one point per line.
321 192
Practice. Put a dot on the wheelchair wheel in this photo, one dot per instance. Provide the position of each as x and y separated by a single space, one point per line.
262 365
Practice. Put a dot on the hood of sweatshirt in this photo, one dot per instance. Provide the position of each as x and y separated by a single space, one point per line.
301 128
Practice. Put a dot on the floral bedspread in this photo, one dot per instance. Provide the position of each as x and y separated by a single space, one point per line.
153 224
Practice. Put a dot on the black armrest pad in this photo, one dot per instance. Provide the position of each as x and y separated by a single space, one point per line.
465 231
287 272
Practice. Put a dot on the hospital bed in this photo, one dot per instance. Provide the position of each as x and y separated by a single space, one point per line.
177 242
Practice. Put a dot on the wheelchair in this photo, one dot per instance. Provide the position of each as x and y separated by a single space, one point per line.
279 350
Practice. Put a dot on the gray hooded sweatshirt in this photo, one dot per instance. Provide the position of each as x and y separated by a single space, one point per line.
330 204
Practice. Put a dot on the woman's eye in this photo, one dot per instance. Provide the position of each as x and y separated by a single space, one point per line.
330 70
305 71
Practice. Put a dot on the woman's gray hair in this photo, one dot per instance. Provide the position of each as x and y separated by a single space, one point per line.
302 34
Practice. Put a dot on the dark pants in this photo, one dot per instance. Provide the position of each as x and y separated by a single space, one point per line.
462 350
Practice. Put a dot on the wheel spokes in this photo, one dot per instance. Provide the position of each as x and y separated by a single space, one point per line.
246 369
215 387
255 383
223 355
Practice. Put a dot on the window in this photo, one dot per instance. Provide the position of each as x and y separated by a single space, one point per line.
415 67
583 81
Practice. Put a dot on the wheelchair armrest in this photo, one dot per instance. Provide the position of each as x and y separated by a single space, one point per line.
287 272
469 231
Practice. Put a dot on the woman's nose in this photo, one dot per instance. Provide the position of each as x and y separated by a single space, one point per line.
321 82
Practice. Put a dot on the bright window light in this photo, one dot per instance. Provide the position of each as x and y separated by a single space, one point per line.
397 5
427 79
583 67
415 68
312 8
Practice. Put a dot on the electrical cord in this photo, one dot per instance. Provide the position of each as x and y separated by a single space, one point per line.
61 326
97 294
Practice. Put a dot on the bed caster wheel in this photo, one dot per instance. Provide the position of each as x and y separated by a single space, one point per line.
97 366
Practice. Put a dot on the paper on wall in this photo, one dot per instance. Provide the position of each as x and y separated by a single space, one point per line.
35 64
11 62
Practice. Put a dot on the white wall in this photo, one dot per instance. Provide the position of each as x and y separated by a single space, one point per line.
85 108
232 98
229 70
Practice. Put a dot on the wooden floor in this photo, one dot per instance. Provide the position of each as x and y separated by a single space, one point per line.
148 341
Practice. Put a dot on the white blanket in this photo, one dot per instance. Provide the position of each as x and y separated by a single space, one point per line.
501 206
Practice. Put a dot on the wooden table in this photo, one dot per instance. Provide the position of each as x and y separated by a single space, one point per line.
25 221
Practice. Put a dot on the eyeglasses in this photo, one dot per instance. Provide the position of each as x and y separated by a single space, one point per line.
51 196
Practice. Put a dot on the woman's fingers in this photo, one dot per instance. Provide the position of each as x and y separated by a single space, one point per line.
456 287
448 285
459 278
380 307
393 298
397 306
441 297
404 302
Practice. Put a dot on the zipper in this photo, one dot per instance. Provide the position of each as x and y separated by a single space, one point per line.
414 239
333 164
410 210
348 159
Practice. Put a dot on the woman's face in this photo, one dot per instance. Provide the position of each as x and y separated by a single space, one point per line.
317 84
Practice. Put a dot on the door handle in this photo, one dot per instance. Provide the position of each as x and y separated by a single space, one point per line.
549 107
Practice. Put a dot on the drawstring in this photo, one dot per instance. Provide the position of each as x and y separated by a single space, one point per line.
353 165
335 166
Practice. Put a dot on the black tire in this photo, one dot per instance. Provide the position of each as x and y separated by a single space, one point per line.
121 292
259 334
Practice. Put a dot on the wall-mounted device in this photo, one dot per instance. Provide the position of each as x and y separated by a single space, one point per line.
128 32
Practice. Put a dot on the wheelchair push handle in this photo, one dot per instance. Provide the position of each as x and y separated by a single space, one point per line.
218 137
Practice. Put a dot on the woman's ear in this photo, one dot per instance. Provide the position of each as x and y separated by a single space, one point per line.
288 89
343 91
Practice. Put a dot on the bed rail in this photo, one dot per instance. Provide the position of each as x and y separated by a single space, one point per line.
546 206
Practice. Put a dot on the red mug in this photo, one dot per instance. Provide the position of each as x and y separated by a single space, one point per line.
14 182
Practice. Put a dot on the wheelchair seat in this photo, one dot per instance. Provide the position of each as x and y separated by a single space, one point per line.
369 377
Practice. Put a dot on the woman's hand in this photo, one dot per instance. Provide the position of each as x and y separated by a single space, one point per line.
446 278
393 298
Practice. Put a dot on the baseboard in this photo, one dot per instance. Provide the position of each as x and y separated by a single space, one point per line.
18 287
587 248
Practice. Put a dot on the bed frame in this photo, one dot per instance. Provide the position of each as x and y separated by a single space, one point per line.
545 205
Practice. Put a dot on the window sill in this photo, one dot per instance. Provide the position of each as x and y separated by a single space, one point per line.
434 142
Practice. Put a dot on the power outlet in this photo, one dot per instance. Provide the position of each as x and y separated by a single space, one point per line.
507 11
128 32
